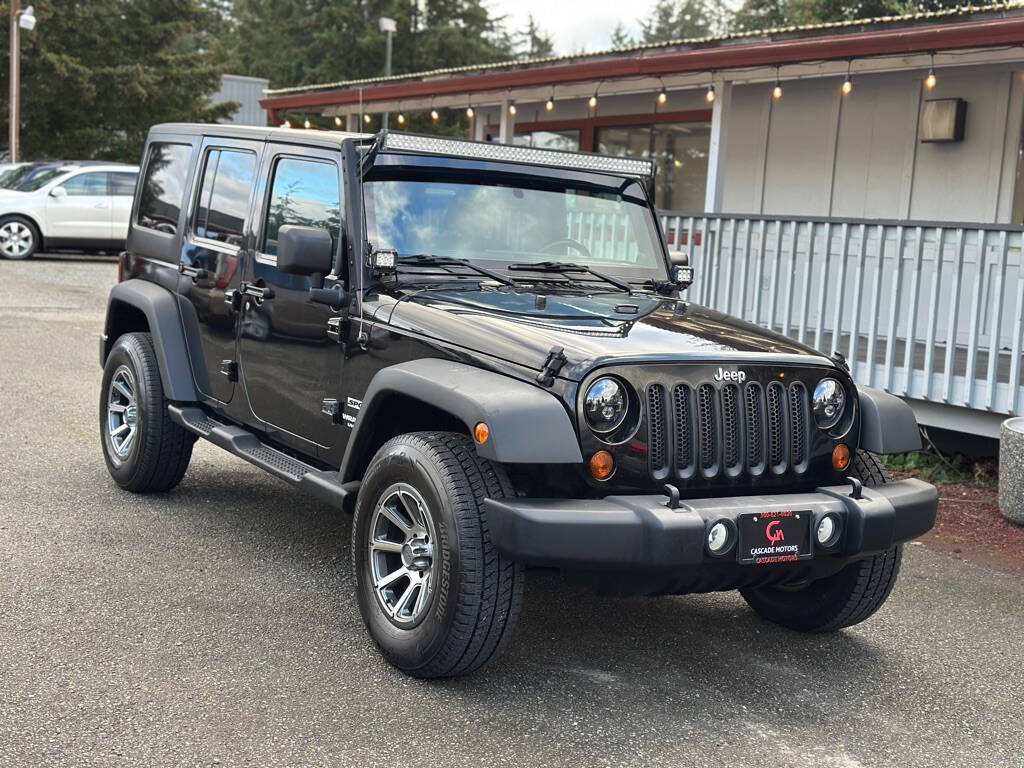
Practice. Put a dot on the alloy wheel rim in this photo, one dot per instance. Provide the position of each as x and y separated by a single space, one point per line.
401 553
15 239
122 412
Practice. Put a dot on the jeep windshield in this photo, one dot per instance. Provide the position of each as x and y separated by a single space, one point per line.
500 224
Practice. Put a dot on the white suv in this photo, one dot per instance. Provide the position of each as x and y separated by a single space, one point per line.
54 205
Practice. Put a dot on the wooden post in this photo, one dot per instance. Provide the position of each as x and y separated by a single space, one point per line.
15 76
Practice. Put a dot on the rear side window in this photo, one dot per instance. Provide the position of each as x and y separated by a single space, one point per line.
228 177
163 190
87 184
122 184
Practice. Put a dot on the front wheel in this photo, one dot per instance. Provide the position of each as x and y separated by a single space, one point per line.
436 596
19 238
843 599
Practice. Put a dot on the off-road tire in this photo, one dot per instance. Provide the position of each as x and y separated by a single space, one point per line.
161 450
27 224
475 601
843 599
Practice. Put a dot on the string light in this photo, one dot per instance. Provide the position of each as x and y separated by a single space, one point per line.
512 107
931 80
662 94
306 124
367 118
286 124
549 105
709 97
337 121
401 119
777 90
434 115
592 103
470 112
848 82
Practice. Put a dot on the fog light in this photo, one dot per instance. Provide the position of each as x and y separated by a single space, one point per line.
602 465
840 457
828 530
718 538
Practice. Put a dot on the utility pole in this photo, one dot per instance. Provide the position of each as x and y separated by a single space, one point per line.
388 26
15 73
19 20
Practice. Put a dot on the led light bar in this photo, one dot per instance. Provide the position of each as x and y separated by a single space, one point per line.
432 145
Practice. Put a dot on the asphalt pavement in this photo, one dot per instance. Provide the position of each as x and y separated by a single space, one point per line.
216 624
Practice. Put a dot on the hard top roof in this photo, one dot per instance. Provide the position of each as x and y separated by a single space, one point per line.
261 133
423 145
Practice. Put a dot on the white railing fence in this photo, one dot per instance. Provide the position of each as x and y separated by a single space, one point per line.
924 310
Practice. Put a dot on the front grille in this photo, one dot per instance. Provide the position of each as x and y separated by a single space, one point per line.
657 449
727 430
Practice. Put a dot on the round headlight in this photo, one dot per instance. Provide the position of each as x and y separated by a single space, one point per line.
605 405
828 403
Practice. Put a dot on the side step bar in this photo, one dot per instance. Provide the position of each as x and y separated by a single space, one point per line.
323 484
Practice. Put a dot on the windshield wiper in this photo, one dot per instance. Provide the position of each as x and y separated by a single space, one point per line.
429 260
565 268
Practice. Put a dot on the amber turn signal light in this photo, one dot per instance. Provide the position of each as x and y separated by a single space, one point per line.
840 457
602 465
481 432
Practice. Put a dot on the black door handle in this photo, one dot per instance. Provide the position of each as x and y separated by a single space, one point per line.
259 292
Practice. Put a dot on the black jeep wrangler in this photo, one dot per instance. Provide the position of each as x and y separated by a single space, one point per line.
485 352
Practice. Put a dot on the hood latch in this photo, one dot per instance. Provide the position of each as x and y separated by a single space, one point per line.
552 365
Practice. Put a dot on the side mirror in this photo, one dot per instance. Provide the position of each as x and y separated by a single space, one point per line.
679 258
58 192
304 250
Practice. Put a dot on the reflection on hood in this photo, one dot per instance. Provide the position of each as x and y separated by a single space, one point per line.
523 326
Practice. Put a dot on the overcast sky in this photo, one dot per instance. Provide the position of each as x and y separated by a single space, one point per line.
575 24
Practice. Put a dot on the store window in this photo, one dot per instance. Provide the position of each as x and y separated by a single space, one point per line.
680 151
565 140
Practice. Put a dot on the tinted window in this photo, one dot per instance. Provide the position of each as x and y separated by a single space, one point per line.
163 190
122 184
87 184
228 177
304 192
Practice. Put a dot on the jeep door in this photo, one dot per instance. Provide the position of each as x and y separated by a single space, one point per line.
218 233
288 362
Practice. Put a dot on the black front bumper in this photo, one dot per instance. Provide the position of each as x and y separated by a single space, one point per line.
641 532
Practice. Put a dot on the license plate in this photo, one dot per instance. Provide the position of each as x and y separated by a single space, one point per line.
771 538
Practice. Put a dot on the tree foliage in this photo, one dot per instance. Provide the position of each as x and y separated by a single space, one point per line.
762 14
297 42
96 74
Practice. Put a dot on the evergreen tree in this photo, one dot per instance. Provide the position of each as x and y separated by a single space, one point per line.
96 74
534 43
684 19
621 38
764 14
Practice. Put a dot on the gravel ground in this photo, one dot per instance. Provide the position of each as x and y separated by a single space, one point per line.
216 625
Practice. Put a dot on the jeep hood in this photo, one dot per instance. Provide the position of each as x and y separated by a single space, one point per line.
522 327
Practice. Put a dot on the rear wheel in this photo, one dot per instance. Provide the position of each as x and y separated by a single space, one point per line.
436 596
145 451
843 599
19 238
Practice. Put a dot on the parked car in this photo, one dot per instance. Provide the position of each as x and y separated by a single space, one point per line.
486 353
81 206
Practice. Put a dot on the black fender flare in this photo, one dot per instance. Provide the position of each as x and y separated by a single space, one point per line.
887 424
527 424
160 307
